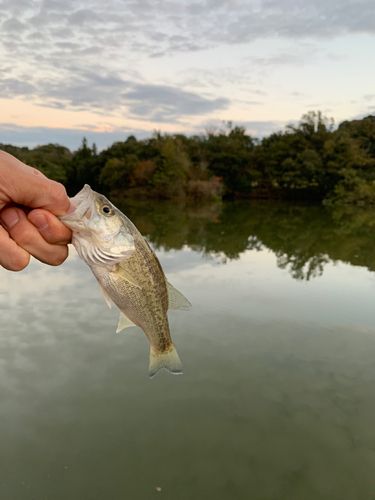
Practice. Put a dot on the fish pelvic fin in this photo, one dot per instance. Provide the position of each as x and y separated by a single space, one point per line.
170 361
124 322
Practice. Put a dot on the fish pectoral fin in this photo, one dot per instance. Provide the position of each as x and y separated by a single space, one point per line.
105 296
120 271
176 299
170 361
124 322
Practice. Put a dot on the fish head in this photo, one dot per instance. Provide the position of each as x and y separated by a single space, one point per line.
101 233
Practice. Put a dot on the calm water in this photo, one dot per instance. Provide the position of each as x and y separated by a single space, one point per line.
277 400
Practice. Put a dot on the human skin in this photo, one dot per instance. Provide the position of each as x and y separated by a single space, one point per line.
29 204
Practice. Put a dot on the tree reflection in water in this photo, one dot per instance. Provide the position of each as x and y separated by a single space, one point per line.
303 237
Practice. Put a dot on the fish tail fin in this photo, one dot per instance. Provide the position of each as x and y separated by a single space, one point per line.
170 361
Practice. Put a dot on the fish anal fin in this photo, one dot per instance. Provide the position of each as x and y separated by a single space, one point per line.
105 295
170 361
120 271
124 322
176 299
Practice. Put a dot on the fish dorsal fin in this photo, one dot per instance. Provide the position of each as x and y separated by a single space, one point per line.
120 271
124 322
176 299
105 295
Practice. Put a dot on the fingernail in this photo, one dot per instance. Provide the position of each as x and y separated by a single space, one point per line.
9 218
40 221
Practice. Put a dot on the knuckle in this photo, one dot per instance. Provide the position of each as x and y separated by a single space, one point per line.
59 234
60 190
36 171
12 256
57 258
18 261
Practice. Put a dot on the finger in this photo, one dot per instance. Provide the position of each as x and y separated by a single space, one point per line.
27 186
12 257
52 230
27 236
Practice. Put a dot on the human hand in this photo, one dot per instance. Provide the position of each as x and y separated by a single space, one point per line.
32 228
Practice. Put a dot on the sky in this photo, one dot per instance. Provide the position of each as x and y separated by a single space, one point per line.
106 70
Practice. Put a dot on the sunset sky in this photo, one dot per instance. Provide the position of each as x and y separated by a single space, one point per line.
106 70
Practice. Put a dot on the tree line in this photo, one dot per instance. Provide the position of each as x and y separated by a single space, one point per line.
311 160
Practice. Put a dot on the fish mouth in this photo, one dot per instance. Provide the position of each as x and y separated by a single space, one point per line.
84 207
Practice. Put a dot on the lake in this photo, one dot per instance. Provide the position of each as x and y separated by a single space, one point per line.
277 399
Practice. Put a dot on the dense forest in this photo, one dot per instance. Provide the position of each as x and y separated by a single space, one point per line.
313 160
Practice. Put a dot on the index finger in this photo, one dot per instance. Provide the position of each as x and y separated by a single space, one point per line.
52 198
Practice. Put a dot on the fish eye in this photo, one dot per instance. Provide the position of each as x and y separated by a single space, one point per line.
106 209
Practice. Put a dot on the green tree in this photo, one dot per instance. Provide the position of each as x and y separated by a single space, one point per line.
84 168
230 156
173 164
117 172
52 159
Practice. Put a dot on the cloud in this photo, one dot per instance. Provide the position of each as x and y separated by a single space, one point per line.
82 17
156 55
13 25
13 87
301 55
70 138
368 112
218 77
280 60
107 92
254 128
263 128
90 55
179 26
162 102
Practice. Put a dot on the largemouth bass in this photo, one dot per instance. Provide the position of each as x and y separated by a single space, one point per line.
128 273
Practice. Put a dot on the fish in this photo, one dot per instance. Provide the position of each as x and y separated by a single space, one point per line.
128 272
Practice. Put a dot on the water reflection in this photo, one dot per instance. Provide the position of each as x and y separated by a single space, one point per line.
304 238
277 397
